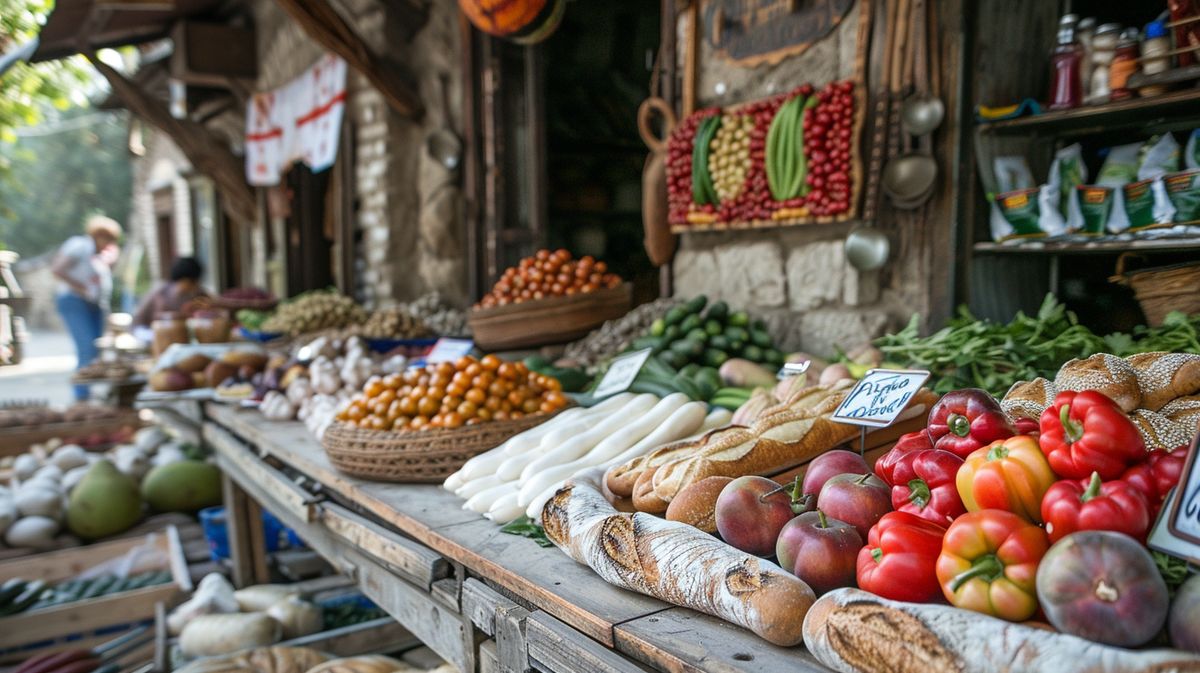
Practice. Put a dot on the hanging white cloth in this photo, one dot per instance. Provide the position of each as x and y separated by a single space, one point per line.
300 121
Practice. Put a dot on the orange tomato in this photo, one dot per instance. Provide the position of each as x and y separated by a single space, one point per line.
490 362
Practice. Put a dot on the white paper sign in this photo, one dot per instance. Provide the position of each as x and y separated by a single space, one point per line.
449 350
880 397
793 369
621 373
1162 539
1185 512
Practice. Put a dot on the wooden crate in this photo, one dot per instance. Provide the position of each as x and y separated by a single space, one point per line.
17 440
29 633
546 321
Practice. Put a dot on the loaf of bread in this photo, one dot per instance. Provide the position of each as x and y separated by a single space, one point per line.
782 441
621 479
1028 399
676 563
1185 411
1163 377
1159 431
854 631
696 505
1105 373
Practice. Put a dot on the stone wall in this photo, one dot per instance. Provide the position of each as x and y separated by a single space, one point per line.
160 167
795 278
408 209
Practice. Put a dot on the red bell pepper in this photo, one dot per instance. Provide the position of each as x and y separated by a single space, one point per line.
1027 426
1087 432
989 564
912 442
899 559
966 420
1157 475
1094 505
1011 475
924 484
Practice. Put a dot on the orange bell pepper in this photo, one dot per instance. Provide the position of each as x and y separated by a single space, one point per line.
989 564
1009 474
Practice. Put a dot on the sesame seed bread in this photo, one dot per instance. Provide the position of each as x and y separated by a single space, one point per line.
1184 411
1105 373
1028 399
1160 432
1163 377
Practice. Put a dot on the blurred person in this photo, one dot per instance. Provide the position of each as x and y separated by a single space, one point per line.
82 267
174 295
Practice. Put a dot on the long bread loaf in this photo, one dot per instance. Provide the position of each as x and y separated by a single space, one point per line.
675 562
857 632
620 479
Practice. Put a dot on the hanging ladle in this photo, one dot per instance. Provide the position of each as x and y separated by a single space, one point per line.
909 179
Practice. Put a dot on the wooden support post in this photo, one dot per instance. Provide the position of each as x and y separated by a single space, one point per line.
237 504
258 542
321 22
201 146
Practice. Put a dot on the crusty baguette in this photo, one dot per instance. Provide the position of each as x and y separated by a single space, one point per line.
1163 377
784 441
696 505
1028 399
676 563
856 632
621 479
644 497
1106 373
1185 411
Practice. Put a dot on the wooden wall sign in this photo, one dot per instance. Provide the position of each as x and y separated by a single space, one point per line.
753 32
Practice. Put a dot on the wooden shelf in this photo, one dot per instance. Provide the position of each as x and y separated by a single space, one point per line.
1108 116
1098 246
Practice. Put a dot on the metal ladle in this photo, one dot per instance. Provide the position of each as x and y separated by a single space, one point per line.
922 113
908 180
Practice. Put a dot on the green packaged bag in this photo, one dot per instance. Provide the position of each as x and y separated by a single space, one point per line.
1183 189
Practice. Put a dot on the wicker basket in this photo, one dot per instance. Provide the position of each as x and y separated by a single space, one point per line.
416 457
552 320
1162 289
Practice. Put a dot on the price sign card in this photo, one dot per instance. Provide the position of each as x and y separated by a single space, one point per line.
621 373
880 397
1183 522
793 369
449 350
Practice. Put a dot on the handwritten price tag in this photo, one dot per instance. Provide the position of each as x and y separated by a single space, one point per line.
449 350
621 373
880 397
1184 521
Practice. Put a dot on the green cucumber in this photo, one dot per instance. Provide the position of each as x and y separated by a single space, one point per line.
735 391
648 342
739 319
675 315
99 587
735 333
658 327
697 334
718 311
713 327
753 353
687 387
696 304
690 370
673 332
690 323
761 339
29 595
725 403
651 387
673 359
710 376
771 156
714 357
655 366
706 390
719 342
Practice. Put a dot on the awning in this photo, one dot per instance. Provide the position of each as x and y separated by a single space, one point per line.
106 24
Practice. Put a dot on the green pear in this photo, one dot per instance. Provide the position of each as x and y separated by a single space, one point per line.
105 502
182 486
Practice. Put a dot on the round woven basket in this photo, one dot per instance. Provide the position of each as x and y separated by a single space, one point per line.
421 457
1162 289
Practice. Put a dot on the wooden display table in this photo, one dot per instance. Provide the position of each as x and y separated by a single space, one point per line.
482 599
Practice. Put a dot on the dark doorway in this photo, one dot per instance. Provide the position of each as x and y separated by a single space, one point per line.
309 244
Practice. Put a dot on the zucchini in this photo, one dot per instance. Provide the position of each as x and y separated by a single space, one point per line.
10 590
657 367
689 348
684 385
690 370
28 596
652 387
710 376
673 359
647 342
690 323
696 304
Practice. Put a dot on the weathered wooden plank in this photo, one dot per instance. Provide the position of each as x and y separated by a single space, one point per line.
489 661
446 591
511 646
555 647
480 604
683 641
257 477
548 579
418 564
259 571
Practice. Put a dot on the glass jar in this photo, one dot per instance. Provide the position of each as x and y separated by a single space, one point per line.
1124 64
168 329
1104 45
1066 90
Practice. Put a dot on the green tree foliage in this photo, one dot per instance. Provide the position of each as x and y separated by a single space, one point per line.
26 91
60 173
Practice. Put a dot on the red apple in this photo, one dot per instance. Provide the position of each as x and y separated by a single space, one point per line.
830 464
819 550
858 499
750 512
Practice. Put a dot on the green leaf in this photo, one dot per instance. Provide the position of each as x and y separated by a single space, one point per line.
525 527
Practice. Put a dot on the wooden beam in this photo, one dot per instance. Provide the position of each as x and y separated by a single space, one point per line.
201 146
321 22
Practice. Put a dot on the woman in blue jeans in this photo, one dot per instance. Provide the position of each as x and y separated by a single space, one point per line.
84 286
